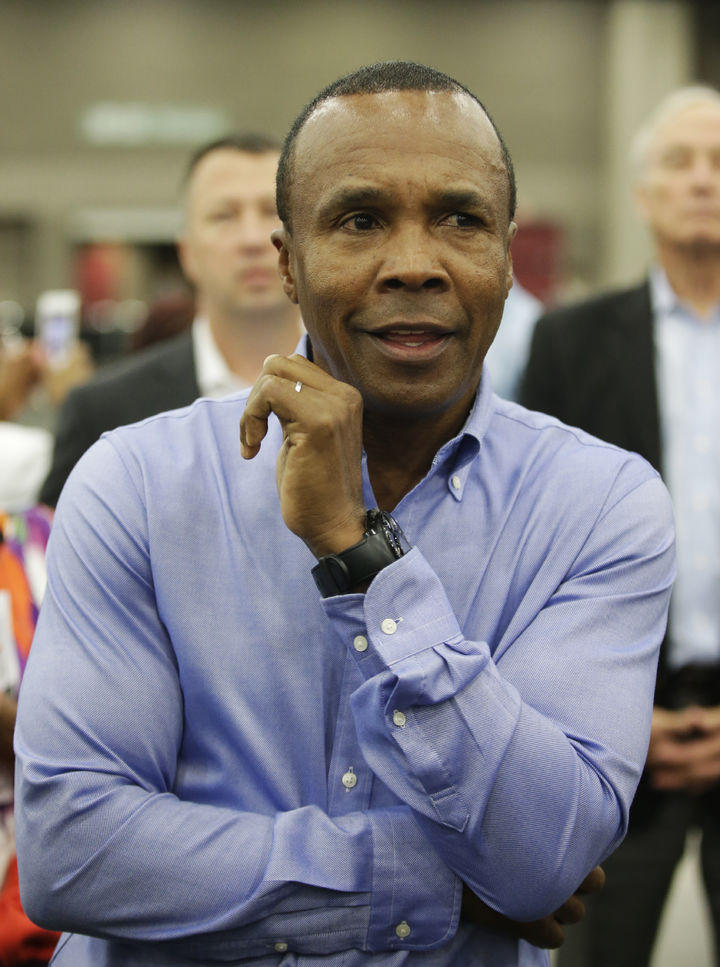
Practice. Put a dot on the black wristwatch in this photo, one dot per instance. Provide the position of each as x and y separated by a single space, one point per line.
382 543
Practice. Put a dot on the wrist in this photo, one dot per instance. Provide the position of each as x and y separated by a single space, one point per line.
353 568
339 540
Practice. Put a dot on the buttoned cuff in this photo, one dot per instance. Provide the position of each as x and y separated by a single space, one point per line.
405 624
416 898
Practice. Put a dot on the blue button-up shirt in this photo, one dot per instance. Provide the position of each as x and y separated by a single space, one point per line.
214 765
688 366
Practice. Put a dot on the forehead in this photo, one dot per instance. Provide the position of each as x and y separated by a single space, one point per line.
228 170
695 125
444 135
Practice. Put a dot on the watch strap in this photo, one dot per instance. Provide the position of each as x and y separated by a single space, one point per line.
382 543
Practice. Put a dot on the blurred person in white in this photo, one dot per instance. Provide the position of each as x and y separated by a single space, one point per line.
242 312
25 450
641 368
507 356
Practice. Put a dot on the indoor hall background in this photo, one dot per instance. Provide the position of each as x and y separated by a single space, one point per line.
101 102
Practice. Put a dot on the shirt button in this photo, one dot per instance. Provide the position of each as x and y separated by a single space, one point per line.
403 930
349 780
456 482
399 719
360 643
281 946
389 626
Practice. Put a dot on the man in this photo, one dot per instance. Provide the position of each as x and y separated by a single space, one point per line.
222 759
640 368
242 314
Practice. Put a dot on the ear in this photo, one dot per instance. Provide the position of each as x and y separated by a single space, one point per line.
512 229
641 200
283 242
185 257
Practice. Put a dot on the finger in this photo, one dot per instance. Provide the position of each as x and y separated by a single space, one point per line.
669 779
299 373
593 882
547 933
293 402
296 367
708 719
572 911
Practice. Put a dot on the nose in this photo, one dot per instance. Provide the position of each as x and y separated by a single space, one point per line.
412 261
253 230
705 172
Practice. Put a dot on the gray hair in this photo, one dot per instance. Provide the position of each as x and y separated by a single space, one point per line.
674 104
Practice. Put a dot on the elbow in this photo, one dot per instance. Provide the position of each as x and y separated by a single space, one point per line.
38 896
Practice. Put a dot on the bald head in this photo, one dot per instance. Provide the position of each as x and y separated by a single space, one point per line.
386 77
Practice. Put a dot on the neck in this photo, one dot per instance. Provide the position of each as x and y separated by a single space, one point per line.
246 339
400 453
694 274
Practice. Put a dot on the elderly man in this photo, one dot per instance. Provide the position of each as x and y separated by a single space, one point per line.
242 314
640 368
264 721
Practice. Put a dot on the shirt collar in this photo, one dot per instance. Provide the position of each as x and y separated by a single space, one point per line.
662 295
666 303
214 376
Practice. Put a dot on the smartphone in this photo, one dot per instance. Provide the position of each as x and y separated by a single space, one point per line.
57 324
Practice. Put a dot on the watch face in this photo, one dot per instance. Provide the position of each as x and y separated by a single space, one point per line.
393 533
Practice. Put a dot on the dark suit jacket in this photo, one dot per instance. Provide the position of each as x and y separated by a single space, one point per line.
159 378
593 365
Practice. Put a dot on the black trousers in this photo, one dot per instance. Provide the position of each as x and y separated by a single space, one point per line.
621 923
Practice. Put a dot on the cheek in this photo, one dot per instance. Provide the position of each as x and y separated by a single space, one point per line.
324 290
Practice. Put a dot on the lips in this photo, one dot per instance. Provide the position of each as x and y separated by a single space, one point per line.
419 343
259 276
411 338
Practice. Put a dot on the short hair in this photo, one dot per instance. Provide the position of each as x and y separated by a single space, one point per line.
376 79
248 143
675 103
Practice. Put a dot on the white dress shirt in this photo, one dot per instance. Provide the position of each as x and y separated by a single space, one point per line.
214 377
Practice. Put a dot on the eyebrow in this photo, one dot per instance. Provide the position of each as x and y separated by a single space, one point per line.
366 196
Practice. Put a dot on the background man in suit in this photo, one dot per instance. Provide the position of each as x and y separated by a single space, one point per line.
242 312
640 368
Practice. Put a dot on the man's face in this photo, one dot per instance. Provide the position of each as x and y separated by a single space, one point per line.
679 192
399 253
225 249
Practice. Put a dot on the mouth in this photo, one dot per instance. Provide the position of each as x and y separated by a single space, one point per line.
259 276
419 342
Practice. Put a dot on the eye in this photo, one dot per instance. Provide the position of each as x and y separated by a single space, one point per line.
221 215
463 220
676 158
360 222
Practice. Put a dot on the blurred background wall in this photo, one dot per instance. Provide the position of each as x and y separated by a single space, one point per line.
102 102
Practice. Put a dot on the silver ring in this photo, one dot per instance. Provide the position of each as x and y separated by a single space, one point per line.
298 386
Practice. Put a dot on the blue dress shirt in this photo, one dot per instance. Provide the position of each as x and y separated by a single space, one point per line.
688 365
216 766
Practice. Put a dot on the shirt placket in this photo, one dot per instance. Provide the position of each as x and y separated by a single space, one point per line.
349 779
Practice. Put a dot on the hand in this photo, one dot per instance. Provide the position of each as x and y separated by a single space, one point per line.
20 370
59 380
548 932
318 469
684 749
